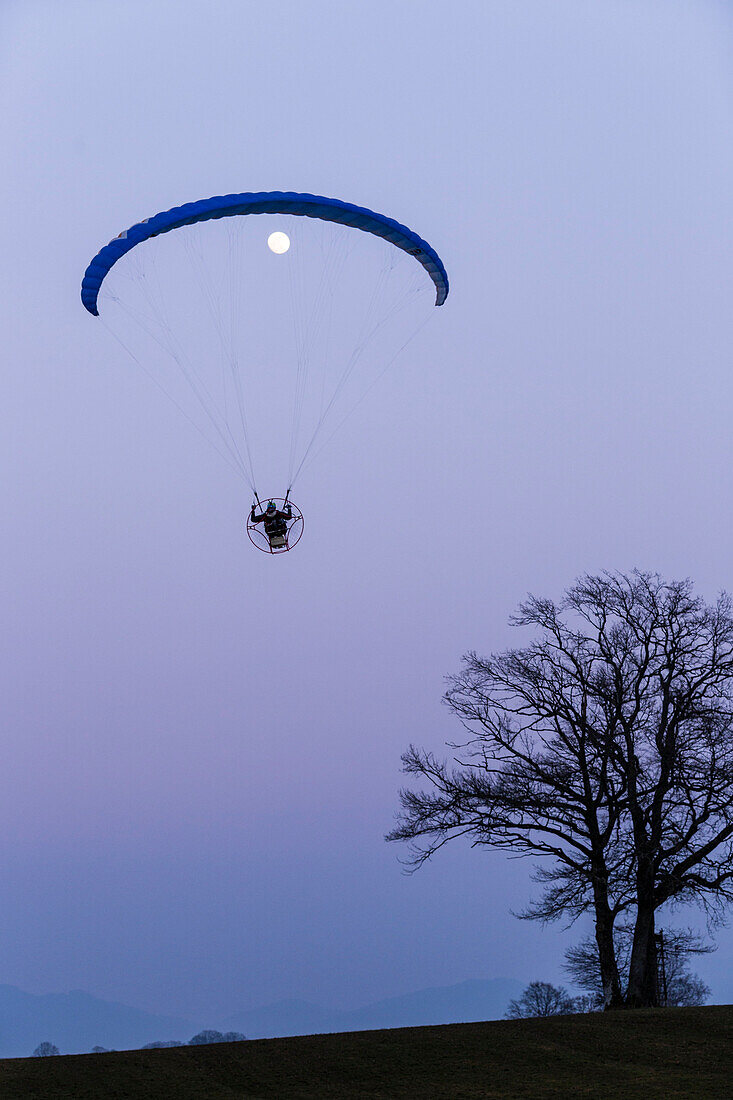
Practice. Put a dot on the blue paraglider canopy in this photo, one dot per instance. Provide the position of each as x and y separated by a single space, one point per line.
264 202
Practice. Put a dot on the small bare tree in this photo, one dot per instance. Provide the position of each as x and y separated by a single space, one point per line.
45 1050
605 746
541 999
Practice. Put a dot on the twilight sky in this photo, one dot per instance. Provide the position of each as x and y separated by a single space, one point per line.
201 751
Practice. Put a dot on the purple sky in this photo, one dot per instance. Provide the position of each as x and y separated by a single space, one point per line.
169 839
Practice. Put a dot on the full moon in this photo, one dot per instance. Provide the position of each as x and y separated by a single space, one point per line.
278 242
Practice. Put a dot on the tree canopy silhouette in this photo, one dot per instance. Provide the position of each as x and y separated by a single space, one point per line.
605 747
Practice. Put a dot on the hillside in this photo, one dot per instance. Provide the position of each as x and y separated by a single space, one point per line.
685 1054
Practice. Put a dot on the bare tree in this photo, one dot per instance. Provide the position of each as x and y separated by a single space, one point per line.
204 1037
605 746
541 999
681 987
45 1050
201 1038
687 991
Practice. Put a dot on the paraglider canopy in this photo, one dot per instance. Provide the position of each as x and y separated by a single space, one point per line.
264 202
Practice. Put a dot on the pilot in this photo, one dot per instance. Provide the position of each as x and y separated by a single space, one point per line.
276 523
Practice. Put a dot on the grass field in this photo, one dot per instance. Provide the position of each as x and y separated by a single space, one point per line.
654 1055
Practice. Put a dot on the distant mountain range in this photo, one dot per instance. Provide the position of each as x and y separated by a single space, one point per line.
464 1003
75 1022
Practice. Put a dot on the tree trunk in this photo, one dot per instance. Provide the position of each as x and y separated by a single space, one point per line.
612 997
642 991
651 976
